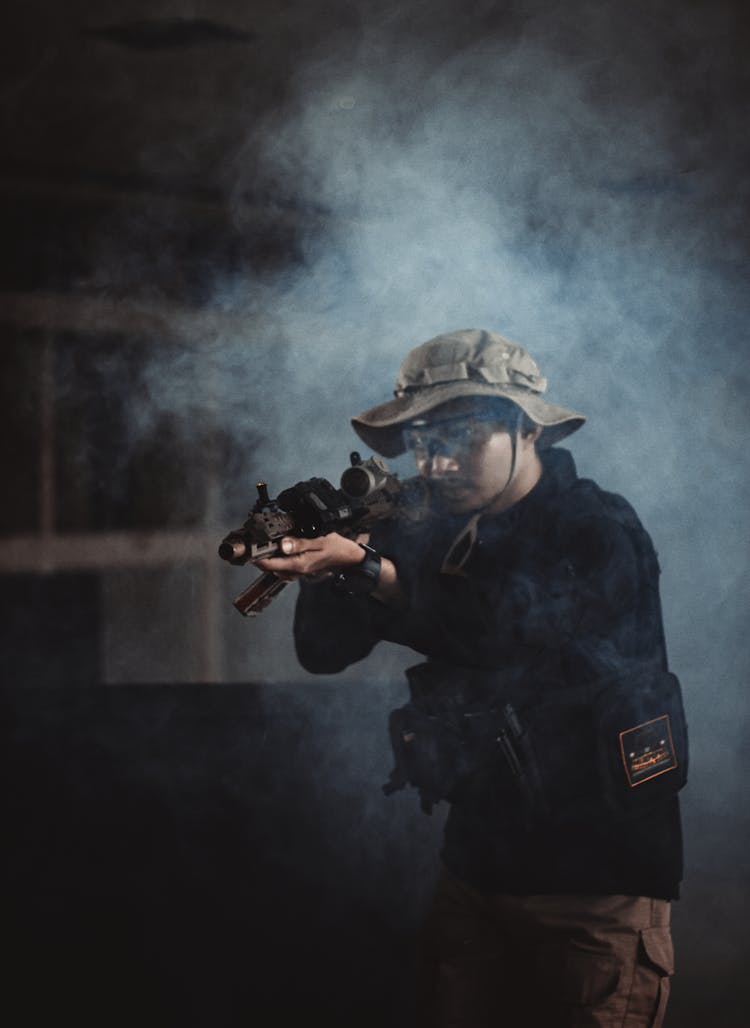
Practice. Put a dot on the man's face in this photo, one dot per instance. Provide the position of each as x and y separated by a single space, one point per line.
466 452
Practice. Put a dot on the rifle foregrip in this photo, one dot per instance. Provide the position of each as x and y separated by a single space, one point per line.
259 594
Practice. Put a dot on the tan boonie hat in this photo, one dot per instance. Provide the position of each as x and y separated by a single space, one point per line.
470 362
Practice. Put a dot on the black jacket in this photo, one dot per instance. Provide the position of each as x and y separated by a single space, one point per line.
555 594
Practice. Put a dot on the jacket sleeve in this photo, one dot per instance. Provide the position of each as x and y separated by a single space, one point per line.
331 632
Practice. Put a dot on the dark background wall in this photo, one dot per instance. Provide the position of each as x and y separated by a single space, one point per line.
224 224
195 855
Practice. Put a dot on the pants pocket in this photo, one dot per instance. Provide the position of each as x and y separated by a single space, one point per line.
578 985
647 1003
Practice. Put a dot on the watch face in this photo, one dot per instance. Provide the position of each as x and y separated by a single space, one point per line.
362 578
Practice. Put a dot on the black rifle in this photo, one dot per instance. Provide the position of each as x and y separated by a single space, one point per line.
369 492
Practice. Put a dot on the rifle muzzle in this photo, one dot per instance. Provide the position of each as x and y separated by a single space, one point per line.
234 550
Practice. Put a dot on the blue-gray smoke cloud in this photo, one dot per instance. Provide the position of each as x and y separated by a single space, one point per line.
569 175
552 196
565 199
570 180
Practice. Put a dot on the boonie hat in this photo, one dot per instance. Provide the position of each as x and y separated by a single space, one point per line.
469 362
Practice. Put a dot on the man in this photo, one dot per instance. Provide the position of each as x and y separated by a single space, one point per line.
543 713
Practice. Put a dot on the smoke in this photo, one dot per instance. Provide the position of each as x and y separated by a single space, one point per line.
572 178
555 183
549 175
508 185
569 175
575 184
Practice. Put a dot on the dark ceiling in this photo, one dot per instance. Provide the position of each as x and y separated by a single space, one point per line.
124 121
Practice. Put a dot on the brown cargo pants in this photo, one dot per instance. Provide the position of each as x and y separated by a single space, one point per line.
578 961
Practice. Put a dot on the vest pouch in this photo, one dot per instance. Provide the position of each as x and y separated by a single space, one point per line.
641 738
444 735
615 745
431 754
556 740
604 748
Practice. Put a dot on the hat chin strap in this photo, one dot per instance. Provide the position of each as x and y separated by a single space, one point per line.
462 546
515 435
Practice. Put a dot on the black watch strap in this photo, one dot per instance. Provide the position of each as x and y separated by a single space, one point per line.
360 579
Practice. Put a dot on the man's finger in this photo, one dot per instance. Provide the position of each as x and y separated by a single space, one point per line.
280 563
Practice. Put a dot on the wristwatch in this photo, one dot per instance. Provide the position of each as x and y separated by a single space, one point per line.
360 579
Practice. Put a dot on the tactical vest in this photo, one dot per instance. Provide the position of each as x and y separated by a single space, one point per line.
601 748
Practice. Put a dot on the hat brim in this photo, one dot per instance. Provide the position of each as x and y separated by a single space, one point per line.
381 427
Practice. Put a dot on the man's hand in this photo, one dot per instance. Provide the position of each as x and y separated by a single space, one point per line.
317 557
321 556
